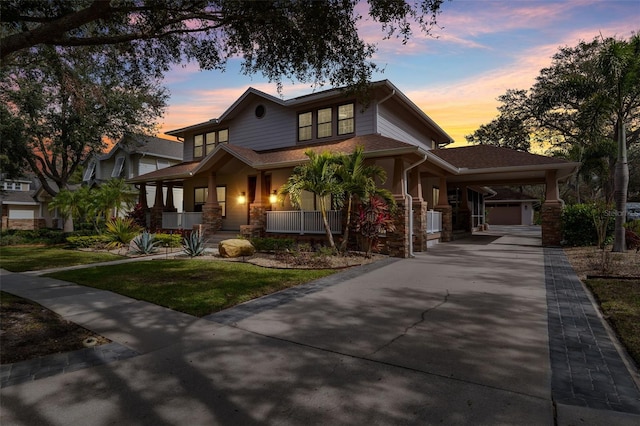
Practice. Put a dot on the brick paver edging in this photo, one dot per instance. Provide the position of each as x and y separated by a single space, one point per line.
586 368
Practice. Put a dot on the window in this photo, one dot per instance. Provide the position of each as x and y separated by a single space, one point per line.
305 124
210 142
117 169
198 141
88 173
205 144
346 119
324 123
201 194
162 163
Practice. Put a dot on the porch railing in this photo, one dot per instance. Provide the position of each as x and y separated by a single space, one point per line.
303 222
180 220
434 221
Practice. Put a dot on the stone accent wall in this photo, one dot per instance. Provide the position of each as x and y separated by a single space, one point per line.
419 226
211 218
447 223
397 242
551 226
258 218
156 217
23 224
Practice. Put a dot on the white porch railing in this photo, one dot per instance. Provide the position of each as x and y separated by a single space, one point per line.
180 220
303 222
434 221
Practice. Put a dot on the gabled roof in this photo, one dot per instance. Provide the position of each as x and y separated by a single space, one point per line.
147 145
386 85
18 197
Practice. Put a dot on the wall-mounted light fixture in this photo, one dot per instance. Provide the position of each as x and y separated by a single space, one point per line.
273 198
242 198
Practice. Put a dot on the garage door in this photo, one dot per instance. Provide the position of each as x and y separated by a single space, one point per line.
504 215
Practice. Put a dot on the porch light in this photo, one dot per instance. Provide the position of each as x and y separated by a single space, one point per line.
273 198
242 198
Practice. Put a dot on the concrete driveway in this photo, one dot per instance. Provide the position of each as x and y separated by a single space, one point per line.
457 335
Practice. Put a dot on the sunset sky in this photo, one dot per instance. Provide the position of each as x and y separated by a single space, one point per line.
483 48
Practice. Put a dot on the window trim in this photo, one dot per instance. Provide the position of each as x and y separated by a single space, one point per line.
204 146
312 129
222 202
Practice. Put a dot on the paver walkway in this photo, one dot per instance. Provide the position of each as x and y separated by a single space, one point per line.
587 369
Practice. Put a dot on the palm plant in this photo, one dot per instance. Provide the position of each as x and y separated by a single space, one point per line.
121 231
71 205
319 176
359 183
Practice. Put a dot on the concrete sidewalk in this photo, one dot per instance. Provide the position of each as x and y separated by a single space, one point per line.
458 335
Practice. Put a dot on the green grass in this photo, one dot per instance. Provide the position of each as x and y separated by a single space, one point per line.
620 304
32 258
194 286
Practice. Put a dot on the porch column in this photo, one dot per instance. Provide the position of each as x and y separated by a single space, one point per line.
169 207
464 220
551 211
397 242
419 211
142 196
158 208
446 210
212 210
258 209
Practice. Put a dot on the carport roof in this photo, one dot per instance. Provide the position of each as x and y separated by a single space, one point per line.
487 156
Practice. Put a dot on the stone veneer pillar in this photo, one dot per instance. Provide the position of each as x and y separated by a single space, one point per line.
157 209
258 217
419 226
443 207
551 225
211 218
551 211
398 240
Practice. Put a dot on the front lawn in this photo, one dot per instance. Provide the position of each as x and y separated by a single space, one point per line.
32 258
620 304
194 286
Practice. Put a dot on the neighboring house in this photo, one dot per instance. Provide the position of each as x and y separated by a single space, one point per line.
135 155
234 164
509 207
25 205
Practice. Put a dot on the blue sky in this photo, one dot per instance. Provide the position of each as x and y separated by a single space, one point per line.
482 49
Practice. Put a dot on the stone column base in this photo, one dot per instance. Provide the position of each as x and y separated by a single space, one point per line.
211 218
419 226
551 226
446 234
397 242
156 218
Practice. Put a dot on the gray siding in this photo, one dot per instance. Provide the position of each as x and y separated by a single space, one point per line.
276 129
391 124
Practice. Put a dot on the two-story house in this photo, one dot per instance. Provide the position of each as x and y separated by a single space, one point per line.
233 165
136 155
25 205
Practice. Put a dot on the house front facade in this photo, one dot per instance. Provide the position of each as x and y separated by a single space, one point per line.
232 165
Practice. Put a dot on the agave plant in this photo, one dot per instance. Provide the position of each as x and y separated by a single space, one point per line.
145 243
120 232
194 244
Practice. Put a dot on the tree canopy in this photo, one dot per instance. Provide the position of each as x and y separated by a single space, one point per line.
306 40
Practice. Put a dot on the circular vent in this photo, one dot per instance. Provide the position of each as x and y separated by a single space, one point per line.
260 111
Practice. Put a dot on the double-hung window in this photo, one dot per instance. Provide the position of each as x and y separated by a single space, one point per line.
198 146
346 119
201 194
206 143
322 123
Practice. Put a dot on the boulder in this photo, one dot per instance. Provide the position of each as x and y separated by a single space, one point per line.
236 248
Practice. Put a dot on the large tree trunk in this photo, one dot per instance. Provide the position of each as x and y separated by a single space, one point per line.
621 182
325 221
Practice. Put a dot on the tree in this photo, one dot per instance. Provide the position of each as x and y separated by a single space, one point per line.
305 40
359 183
504 131
73 206
319 176
112 196
587 104
60 103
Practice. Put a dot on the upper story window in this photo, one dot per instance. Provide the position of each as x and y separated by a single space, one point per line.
305 125
205 143
324 123
117 168
346 119
15 186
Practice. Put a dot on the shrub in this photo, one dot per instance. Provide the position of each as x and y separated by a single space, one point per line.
121 231
194 244
96 242
36 236
578 227
272 244
145 243
170 240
